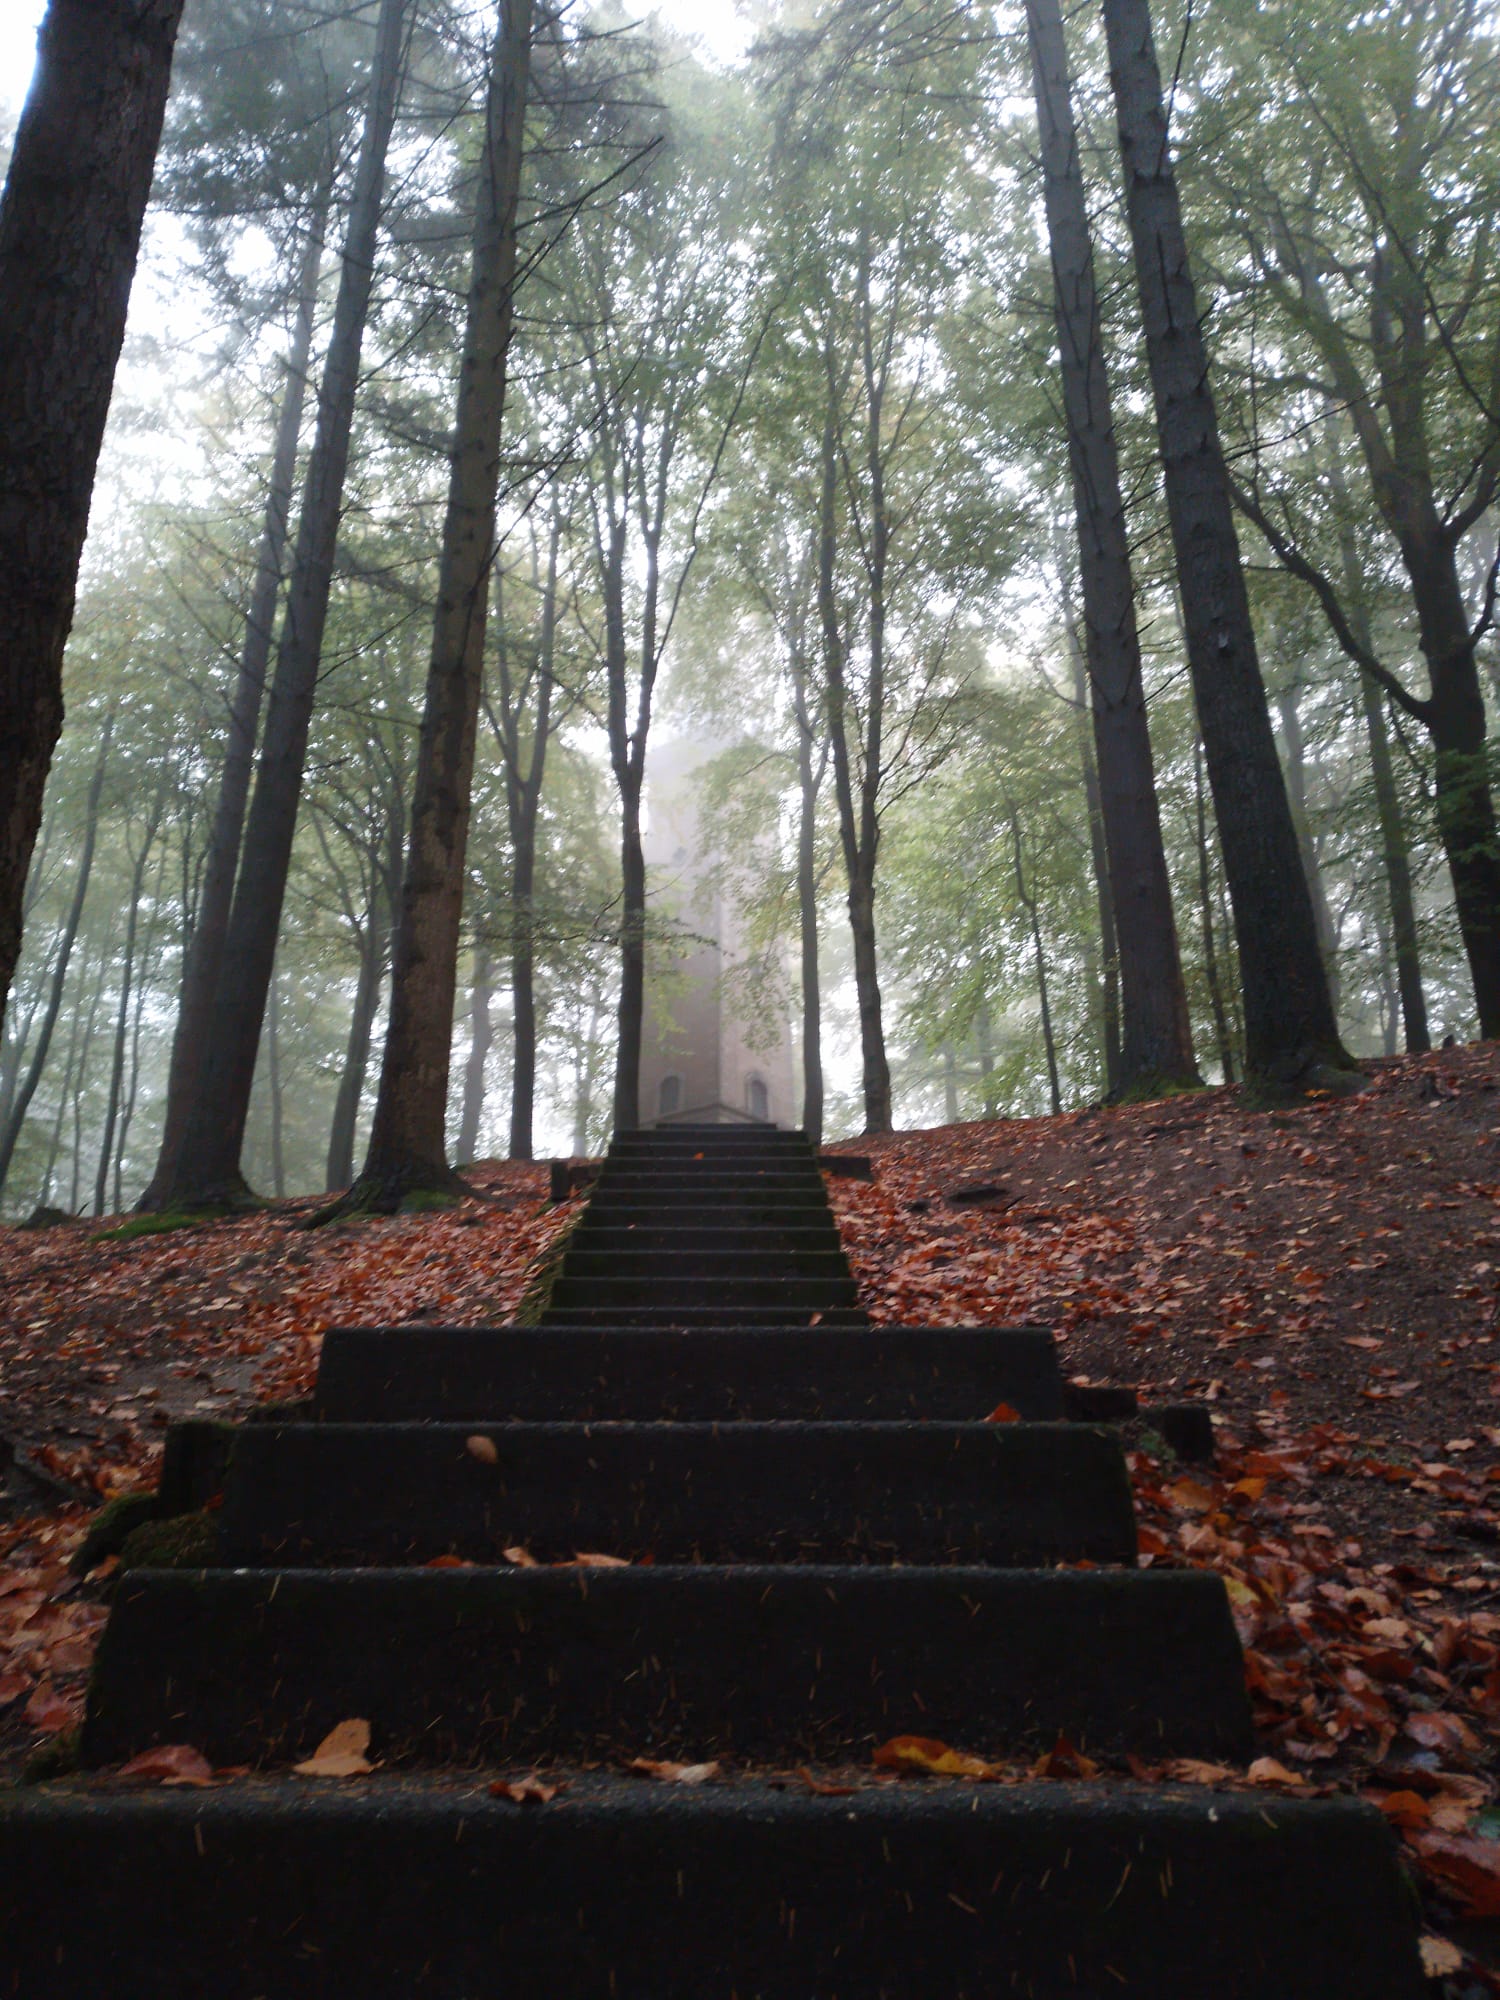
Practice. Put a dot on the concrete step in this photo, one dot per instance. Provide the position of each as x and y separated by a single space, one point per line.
638 1213
665 1289
1015 1495
765 1664
684 1261
693 1319
665 1174
620 1890
718 1143
688 1238
553 1373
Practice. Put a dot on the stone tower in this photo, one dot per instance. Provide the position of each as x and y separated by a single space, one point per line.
697 1065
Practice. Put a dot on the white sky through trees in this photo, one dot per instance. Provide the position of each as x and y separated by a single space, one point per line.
714 20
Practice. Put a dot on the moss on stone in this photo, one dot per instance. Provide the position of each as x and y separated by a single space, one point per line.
188 1541
59 1758
112 1527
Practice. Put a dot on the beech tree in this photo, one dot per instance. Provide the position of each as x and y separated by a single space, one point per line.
70 230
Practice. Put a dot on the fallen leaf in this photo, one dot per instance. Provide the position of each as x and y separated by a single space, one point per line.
1196 1771
1468 1868
1266 1771
1064 1760
526 1791
1406 1809
1003 1413
521 1558
1440 1957
341 1754
924 1753
448 1562
673 1774
12 1687
822 1787
49 1711
484 1449
1190 1496
171 1764
586 1561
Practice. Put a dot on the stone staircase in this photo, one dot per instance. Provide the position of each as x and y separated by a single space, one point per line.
827 1547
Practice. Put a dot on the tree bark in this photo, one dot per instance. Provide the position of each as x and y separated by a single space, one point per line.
1291 1037
408 1141
70 231
1206 917
1044 1000
374 940
205 945
22 1100
481 1041
122 1015
1289 709
1156 1043
208 1164
809 782
1109 947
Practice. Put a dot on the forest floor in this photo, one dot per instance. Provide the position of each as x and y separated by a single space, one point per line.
1328 1279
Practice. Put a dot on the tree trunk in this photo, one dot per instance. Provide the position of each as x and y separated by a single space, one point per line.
122 1015
273 1091
22 1101
1206 917
809 779
481 1041
950 1085
632 1013
208 1163
75 1202
1291 1037
985 1036
54 1145
1044 1001
408 1142
70 230
1396 850
1109 975
374 940
1296 782
583 1088
1156 1043
205 943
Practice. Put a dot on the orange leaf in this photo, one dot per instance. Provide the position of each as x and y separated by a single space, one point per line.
48 1710
1195 1771
1188 1496
1003 1413
1406 1809
584 1561
924 1753
172 1764
822 1787
448 1562
1250 1489
522 1558
341 1754
673 1774
1064 1760
1266 1771
484 1449
12 1687
526 1791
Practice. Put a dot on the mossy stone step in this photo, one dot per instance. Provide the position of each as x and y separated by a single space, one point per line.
766 1664
1015 1496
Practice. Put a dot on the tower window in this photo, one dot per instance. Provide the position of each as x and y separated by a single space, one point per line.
758 1099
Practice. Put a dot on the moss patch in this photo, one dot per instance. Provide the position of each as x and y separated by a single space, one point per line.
113 1526
58 1759
539 1286
189 1541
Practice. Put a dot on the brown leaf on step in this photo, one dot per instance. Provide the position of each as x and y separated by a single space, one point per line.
924 1753
341 1754
12 1687
526 1791
447 1562
171 1764
1064 1760
1003 1413
484 1449
1449 1734
1196 1771
583 1560
521 1558
49 1711
673 1774
1190 1496
1266 1771
822 1787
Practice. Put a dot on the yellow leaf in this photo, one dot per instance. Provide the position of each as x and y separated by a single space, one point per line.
924 1753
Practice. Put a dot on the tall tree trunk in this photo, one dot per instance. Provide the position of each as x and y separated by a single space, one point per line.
70 231
1109 978
1295 743
1405 944
1206 918
273 1091
22 1101
122 1014
583 1084
859 823
75 1202
950 1085
205 943
809 782
1044 1000
1156 1043
207 1168
984 1030
408 1142
75 1033
374 940
1291 1037
481 1041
